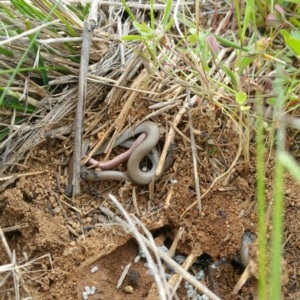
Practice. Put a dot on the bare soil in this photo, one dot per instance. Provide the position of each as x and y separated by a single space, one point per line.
81 238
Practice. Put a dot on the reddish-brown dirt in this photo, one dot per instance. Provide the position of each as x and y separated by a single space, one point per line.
77 237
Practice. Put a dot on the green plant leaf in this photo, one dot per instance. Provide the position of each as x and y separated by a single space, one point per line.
295 34
240 97
193 38
272 101
19 106
295 22
128 10
292 41
290 164
144 29
167 14
169 25
231 75
134 37
247 16
244 108
6 52
152 14
36 51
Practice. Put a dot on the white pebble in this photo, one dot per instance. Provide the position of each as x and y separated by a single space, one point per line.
205 297
94 269
85 296
93 290
136 260
200 275
164 249
87 289
146 265
141 252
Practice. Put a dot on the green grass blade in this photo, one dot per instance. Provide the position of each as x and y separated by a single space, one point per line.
9 71
22 8
26 9
4 131
7 11
128 10
152 18
278 206
26 53
261 200
290 164
277 233
238 19
167 14
37 53
86 9
6 52
60 16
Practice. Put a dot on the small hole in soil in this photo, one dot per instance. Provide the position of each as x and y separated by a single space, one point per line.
204 260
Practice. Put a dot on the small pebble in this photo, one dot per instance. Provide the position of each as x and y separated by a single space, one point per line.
205 297
164 249
89 219
94 269
128 289
200 275
136 260
85 296
88 290
93 290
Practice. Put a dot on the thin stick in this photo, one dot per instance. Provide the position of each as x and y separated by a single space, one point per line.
194 152
124 273
15 176
80 107
176 279
137 211
5 243
16 227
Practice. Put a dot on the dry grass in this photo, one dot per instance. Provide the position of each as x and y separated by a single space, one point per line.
118 84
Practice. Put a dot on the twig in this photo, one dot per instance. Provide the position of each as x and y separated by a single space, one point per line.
124 273
176 279
8 141
194 152
80 107
137 211
15 176
16 227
